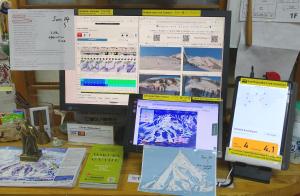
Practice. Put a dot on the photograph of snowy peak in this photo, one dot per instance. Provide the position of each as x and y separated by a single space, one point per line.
167 128
179 171
202 59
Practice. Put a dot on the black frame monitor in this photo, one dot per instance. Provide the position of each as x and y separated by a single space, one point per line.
261 124
128 51
174 121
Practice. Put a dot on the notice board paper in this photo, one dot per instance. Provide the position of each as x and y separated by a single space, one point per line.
235 31
264 59
272 10
276 35
41 39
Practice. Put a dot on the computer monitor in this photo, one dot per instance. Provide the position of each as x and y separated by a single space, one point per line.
126 51
177 121
261 129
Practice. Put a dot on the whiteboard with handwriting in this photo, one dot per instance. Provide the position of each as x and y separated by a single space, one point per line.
41 39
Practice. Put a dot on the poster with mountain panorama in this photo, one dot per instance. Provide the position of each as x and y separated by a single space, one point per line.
178 171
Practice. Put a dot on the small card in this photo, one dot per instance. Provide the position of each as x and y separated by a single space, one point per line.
133 178
93 134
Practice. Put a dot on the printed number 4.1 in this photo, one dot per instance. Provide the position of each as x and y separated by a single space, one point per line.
266 148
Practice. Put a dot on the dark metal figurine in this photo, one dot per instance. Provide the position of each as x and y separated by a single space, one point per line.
29 135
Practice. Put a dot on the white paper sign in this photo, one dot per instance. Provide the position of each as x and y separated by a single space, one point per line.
41 39
264 59
273 10
93 134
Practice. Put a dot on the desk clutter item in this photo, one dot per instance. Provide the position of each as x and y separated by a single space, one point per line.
58 167
103 167
179 171
7 98
8 125
9 132
295 149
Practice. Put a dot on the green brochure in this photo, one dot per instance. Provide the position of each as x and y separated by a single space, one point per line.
103 167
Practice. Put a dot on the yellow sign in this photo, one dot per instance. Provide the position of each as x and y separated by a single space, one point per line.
254 146
95 12
270 83
6 88
255 155
206 99
167 98
147 12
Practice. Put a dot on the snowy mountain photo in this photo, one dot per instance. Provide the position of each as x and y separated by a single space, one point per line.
202 59
160 58
186 171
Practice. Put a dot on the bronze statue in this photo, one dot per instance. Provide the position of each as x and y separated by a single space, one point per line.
29 135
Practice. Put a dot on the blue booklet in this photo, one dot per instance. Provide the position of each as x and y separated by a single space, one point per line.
178 171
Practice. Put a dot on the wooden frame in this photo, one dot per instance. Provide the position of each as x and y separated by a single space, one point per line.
111 4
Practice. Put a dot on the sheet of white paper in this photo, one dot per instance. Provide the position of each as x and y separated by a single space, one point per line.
264 59
273 10
7 101
276 35
93 134
41 39
266 34
235 32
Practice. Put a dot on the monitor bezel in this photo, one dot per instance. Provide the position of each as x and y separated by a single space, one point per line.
131 116
123 108
287 127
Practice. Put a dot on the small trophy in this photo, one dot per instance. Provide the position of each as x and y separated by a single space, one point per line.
29 135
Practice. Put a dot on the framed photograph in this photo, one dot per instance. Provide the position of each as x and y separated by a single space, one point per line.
38 114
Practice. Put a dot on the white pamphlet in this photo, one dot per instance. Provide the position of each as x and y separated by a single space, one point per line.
93 134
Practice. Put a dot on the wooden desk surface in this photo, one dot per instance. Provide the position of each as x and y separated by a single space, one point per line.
284 183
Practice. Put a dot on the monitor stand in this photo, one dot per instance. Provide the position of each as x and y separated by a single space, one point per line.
254 173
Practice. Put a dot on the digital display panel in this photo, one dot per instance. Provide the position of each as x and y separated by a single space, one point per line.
120 55
259 122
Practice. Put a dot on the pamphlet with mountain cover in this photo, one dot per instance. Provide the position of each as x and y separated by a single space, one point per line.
103 167
178 171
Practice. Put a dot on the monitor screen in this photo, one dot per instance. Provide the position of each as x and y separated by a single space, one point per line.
259 125
130 52
173 122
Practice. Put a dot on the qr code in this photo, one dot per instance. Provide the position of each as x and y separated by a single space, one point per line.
214 38
156 37
186 38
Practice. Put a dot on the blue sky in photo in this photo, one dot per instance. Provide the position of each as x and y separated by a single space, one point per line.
203 52
159 51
